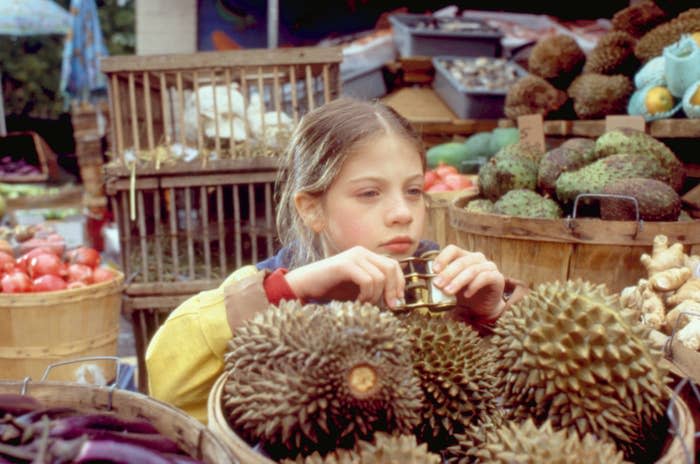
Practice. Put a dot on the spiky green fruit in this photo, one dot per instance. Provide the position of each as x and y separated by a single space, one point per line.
593 177
503 173
571 353
626 140
569 156
526 443
455 369
656 201
598 95
480 205
384 449
526 203
320 377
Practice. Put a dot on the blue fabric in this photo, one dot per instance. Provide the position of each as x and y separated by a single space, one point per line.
282 258
81 79
33 17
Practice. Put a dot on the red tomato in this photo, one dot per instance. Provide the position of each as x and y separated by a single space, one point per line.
438 187
445 169
7 262
466 181
44 264
23 261
102 274
80 273
16 282
84 255
429 179
49 283
56 248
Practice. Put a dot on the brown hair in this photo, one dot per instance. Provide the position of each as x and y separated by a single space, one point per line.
319 146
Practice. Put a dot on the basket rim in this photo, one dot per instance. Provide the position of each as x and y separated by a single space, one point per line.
219 427
70 294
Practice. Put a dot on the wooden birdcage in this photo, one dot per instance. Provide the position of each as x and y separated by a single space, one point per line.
194 152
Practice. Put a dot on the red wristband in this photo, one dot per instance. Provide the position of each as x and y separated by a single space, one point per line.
277 288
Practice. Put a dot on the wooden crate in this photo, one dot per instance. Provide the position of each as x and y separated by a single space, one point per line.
32 148
233 104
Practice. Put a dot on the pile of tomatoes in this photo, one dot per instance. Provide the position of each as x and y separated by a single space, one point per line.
445 178
47 269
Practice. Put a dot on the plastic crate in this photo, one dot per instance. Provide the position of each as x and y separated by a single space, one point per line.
364 84
473 37
470 102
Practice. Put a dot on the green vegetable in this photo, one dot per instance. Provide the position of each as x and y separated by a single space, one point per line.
503 136
479 145
451 153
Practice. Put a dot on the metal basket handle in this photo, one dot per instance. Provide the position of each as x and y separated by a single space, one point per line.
640 222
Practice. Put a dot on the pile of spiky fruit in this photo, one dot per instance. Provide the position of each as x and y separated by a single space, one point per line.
522 181
47 267
568 372
668 300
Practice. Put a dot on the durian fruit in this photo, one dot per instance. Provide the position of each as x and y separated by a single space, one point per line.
305 378
524 442
533 95
527 203
556 58
571 353
455 368
653 42
613 55
480 205
597 95
385 449
638 19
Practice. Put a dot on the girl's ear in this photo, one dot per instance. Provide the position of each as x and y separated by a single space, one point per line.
309 208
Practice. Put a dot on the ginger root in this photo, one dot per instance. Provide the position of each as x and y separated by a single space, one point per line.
653 310
689 335
663 256
673 316
669 279
690 290
631 297
693 263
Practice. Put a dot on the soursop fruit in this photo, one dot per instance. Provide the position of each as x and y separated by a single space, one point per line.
526 203
656 201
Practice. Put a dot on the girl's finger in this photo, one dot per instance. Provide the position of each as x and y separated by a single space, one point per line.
482 280
375 282
458 266
394 280
465 276
446 256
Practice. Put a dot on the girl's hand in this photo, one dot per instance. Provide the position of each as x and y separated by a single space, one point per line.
356 273
476 282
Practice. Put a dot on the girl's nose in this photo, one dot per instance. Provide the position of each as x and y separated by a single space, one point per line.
400 212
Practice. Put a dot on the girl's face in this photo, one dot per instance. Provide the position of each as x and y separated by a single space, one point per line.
376 200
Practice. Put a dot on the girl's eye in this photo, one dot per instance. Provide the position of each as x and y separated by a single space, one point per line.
368 193
415 191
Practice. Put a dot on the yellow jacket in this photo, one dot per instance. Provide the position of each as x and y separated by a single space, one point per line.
186 354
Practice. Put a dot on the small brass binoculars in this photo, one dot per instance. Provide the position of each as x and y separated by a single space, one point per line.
420 291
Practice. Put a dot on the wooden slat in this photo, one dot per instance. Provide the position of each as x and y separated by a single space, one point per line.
326 84
172 211
187 287
126 237
246 101
232 140
168 125
261 94
143 235
134 114
149 110
270 236
295 97
204 208
217 133
277 94
158 234
198 117
218 179
117 119
144 303
221 228
237 225
309 88
215 166
189 231
181 106
252 220
201 60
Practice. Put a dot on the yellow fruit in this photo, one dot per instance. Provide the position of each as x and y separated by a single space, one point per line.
658 100
696 37
695 98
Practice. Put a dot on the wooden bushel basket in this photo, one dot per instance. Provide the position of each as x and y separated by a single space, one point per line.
191 435
538 250
39 329
679 445
437 224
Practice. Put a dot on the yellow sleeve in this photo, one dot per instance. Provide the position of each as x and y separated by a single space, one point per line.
185 356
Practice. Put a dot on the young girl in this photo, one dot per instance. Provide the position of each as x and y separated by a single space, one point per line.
350 205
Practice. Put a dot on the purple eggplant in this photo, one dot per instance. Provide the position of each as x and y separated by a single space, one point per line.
154 441
71 427
118 453
17 404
